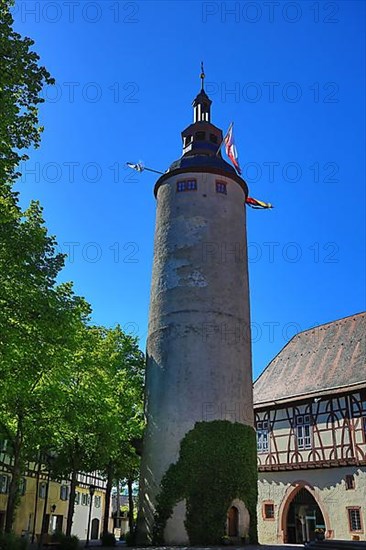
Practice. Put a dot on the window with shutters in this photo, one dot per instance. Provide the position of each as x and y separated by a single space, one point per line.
303 432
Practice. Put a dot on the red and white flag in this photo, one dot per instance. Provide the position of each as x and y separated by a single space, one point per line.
230 148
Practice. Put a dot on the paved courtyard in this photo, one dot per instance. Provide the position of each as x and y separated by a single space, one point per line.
96 544
249 547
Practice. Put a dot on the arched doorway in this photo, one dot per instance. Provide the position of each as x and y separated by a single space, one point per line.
95 529
233 522
303 517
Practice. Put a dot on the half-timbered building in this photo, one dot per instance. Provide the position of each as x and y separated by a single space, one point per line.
310 408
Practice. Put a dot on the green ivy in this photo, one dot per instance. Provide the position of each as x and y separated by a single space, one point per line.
217 464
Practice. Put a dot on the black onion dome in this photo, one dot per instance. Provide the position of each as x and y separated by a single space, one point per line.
201 161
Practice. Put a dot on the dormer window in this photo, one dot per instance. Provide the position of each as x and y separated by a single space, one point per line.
213 138
200 136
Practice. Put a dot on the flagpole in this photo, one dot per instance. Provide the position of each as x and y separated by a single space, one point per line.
139 167
223 139
151 170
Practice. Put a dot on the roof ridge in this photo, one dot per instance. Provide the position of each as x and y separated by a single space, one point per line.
330 323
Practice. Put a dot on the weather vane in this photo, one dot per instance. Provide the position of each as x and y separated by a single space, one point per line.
202 76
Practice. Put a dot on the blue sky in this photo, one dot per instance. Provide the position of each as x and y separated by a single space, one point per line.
291 77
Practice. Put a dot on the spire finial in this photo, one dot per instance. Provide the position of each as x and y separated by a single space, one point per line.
202 76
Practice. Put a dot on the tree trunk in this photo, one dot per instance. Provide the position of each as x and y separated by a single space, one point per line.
130 506
118 505
36 501
71 509
16 471
108 492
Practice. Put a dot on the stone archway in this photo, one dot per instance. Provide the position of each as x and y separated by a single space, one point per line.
238 520
300 514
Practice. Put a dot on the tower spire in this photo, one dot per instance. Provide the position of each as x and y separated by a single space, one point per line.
202 76
202 103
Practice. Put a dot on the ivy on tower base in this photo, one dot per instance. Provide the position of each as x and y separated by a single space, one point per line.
217 464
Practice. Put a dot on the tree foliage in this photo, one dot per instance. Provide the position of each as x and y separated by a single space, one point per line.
96 408
65 386
21 81
38 319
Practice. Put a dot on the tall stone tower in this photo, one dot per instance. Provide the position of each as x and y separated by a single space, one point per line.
198 476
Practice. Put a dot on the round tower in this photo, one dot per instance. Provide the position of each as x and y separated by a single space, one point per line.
199 375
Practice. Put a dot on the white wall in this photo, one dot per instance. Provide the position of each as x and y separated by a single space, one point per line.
327 486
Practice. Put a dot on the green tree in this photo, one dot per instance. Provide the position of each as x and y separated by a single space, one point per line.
126 376
98 409
21 81
38 320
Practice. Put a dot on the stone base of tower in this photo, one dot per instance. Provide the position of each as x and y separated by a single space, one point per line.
175 532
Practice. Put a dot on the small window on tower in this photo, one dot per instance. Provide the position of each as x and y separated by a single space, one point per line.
187 140
213 138
200 136
221 187
186 185
191 185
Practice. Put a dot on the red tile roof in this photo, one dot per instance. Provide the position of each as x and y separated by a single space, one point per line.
322 359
